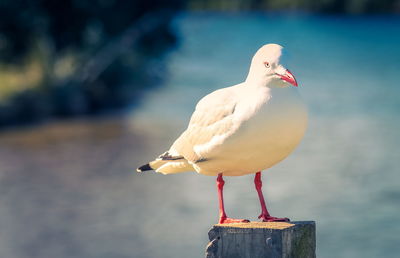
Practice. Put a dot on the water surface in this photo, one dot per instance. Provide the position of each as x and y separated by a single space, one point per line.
68 189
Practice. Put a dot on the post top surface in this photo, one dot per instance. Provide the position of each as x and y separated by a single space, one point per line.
270 225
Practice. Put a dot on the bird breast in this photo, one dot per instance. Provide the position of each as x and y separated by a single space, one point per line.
269 134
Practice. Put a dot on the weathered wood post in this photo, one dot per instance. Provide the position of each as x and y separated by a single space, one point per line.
262 239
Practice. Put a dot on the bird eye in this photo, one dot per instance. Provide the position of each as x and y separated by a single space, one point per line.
266 64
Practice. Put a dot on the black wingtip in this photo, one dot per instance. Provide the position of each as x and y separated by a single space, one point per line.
144 168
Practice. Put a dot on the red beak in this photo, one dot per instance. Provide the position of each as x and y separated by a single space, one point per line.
288 76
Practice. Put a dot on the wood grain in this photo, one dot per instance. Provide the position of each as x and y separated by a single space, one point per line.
262 239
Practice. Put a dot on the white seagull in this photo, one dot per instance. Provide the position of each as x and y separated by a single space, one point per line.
241 129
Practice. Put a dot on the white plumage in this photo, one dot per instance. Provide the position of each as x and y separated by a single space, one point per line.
244 128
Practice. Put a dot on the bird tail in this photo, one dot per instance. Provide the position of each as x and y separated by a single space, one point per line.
167 164
145 167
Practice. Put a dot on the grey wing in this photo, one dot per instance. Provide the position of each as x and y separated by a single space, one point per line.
210 125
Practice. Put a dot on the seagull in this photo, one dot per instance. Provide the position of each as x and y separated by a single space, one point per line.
242 129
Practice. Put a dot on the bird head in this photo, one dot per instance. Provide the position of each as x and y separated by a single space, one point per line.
266 69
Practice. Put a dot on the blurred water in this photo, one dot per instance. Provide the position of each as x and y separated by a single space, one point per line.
68 189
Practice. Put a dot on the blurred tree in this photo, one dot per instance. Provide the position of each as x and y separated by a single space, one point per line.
62 58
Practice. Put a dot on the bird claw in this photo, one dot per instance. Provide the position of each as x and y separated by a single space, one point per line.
265 218
225 220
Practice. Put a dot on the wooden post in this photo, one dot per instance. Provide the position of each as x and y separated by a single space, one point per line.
262 239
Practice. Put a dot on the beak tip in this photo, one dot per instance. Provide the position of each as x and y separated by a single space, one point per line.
289 77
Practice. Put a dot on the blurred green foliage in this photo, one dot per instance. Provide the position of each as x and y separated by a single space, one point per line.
72 57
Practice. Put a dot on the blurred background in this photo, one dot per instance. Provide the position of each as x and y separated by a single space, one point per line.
89 90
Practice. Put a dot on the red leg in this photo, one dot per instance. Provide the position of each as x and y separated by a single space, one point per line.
222 215
265 217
